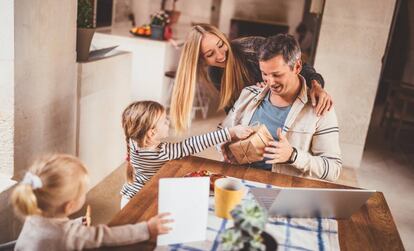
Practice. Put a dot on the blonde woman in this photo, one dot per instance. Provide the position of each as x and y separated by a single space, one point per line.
230 66
54 188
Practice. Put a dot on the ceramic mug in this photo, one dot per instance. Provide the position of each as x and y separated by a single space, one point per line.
227 195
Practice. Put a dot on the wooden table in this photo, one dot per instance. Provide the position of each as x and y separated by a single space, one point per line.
371 228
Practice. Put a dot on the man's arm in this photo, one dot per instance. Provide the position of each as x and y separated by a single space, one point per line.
323 160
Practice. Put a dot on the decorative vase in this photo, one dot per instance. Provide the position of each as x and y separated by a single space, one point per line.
269 242
157 32
83 43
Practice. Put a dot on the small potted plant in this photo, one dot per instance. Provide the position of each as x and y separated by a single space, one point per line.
159 21
85 29
248 231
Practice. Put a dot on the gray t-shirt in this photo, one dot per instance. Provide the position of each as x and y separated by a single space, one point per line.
272 117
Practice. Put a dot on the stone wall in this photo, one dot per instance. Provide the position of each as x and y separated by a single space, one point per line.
7 89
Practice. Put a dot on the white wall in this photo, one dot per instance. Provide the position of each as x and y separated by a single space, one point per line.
351 44
191 11
289 12
45 79
104 92
150 60
6 90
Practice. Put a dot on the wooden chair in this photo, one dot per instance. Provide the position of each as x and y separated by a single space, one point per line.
398 110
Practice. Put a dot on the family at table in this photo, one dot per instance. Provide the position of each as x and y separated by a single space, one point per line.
260 80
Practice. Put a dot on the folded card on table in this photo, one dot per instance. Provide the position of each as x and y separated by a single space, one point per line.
187 201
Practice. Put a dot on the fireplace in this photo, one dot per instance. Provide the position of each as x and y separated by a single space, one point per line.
244 28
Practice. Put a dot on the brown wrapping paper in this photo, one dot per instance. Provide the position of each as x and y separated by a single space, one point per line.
251 149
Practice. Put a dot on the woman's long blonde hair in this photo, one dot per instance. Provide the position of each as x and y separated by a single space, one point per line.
137 119
63 178
192 66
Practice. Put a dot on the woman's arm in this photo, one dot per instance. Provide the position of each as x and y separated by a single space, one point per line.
320 98
309 73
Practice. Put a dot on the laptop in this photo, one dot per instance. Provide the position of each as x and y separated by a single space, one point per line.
311 202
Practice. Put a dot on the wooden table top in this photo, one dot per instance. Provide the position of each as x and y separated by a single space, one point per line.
370 228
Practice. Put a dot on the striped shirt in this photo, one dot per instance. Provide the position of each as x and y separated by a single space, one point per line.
146 162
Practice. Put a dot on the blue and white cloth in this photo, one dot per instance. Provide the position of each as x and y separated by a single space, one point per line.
290 233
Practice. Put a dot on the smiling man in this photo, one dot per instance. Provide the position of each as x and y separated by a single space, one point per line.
304 143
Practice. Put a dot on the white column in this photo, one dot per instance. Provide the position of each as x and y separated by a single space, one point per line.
352 41
45 79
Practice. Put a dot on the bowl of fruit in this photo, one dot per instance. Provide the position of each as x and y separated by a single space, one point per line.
206 173
141 31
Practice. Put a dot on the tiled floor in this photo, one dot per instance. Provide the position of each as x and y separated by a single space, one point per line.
381 169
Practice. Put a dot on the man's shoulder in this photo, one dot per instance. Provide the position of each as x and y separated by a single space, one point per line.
252 89
308 113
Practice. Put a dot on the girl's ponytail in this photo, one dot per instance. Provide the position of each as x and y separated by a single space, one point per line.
50 182
24 200
129 169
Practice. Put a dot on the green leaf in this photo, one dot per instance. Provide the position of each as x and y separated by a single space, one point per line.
85 14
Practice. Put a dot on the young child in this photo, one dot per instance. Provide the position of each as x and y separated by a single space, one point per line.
53 189
145 125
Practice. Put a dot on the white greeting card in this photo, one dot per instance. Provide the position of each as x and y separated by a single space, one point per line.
187 201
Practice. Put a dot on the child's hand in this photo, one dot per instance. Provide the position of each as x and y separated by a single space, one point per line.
157 224
240 132
86 220
227 155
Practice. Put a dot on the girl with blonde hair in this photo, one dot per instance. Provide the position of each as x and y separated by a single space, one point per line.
145 126
230 66
54 188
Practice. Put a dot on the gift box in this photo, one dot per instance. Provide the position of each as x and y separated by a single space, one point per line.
251 149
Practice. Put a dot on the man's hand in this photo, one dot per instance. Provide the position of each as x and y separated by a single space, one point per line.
317 93
228 156
278 152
